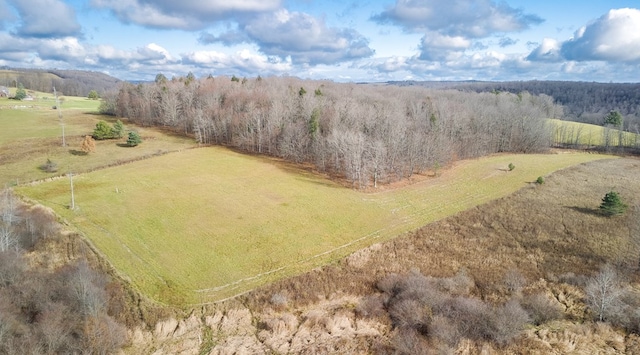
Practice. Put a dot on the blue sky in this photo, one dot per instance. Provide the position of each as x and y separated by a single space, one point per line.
337 40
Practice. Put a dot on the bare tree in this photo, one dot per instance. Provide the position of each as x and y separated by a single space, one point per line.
603 293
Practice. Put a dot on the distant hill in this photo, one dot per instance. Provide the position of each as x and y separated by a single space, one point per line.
68 82
586 102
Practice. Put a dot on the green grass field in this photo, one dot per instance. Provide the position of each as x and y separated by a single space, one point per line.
30 133
201 225
588 135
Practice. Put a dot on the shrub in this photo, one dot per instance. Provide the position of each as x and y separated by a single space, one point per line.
511 166
612 204
88 145
93 95
541 309
134 139
507 322
49 166
102 131
540 180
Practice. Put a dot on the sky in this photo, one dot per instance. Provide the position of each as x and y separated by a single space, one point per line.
339 40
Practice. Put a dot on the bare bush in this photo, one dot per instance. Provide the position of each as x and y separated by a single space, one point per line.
471 316
514 281
12 266
445 330
541 309
409 313
279 300
103 335
508 321
408 341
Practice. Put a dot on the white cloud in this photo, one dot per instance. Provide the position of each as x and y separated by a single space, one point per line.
244 61
468 18
185 14
613 37
46 19
547 51
306 39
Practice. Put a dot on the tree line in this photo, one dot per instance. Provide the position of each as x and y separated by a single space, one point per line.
67 82
368 134
587 102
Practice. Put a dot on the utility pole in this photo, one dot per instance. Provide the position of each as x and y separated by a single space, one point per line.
64 143
73 200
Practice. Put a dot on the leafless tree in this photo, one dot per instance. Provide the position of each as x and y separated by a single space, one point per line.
603 293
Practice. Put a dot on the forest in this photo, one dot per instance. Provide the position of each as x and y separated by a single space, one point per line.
367 134
586 102
66 82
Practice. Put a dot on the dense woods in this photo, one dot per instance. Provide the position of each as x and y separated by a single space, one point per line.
587 102
367 134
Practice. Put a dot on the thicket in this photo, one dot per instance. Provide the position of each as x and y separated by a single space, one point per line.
437 313
61 309
367 134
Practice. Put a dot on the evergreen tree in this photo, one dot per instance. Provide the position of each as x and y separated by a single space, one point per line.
102 131
20 93
612 204
134 139
613 118
118 129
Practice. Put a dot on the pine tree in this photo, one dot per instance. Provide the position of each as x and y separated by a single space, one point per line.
133 139
612 204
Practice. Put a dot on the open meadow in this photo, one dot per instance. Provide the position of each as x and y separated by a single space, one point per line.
587 135
31 133
205 224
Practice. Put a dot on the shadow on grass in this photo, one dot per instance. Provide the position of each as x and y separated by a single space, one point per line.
123 145
77 152
586 210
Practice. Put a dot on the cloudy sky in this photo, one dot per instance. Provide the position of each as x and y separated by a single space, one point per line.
341 40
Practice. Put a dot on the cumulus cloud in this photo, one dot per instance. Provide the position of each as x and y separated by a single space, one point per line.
613 37
45 19
244 61
547 51
435 46
468 18
302 37
185 14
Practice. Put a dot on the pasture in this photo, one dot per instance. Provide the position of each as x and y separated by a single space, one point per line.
201 225
31 133
588 135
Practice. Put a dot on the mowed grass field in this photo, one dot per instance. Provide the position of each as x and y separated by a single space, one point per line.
588 135
205 224
31 133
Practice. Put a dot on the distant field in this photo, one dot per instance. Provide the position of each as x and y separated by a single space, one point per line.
205 224
583 134
30 133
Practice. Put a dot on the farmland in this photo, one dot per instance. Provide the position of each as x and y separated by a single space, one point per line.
30 133
192 226
206 224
